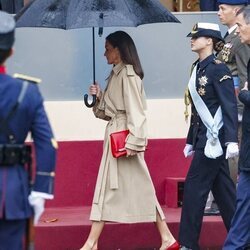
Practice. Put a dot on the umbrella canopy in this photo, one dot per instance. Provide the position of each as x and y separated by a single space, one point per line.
74 14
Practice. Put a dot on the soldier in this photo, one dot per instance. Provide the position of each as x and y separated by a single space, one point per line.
21 111
235 55
239 234
212 136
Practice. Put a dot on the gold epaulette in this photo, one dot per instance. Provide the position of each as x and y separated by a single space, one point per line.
187 97
187 101
27 78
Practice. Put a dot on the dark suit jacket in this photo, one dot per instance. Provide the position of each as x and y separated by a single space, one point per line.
215 85
244 96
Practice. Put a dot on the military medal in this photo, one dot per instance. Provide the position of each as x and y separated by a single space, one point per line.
226 52
201 91
203 81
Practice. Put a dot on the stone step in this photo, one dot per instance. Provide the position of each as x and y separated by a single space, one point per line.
66 228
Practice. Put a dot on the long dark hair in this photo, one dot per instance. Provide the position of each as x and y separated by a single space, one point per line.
127 49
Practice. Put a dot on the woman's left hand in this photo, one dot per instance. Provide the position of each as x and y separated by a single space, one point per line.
130 152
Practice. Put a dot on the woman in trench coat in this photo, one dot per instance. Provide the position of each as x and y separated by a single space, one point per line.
124 190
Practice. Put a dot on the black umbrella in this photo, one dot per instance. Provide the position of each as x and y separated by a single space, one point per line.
74 14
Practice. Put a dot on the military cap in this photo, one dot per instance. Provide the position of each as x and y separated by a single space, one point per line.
233 2
206 30
7 30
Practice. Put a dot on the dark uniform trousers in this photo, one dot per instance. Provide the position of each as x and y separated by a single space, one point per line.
11 6
236 55
239 235
12 234
205 174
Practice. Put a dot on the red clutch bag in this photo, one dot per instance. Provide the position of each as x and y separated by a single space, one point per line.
117 141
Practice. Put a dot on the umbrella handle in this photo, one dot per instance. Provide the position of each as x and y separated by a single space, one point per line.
89 105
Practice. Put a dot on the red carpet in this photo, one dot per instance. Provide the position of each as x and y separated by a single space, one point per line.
76 173
72 227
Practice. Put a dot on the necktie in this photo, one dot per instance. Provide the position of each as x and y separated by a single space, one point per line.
226 35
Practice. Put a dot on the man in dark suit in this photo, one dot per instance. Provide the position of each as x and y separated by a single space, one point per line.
11 6
238 237
212 136
21 112
235 55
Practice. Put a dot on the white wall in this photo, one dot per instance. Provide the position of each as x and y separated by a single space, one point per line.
72 121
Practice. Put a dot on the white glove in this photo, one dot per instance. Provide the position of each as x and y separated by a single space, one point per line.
38 205
188 150
232 150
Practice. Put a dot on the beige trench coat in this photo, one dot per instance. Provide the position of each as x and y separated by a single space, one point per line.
124 190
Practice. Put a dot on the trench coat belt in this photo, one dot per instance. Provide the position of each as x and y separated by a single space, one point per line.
111 162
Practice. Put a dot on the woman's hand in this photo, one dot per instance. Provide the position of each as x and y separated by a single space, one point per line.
245 86
130 152
95 89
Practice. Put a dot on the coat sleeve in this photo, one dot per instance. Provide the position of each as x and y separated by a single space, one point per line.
45 146
135 105
244 97
224 88
99 108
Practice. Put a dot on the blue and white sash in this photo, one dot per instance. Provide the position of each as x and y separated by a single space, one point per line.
213 147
